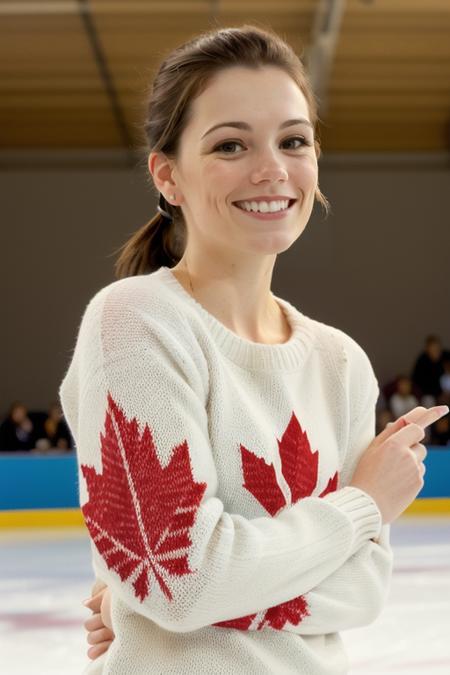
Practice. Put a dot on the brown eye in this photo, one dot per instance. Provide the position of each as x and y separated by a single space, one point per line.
302 140
227 144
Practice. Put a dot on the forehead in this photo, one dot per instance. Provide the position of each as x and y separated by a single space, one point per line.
267 94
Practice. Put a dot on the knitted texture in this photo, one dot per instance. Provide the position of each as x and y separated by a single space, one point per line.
214 479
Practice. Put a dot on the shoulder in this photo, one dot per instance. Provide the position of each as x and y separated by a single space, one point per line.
144 291
347 358
140 318
133 306
352 351
344 349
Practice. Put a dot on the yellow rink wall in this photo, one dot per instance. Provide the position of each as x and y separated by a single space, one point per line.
73 517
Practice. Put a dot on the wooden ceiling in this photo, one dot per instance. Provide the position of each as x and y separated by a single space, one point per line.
73 74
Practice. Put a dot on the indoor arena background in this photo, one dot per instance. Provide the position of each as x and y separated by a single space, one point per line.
73 79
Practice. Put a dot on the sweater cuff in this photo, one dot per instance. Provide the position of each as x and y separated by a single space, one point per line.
361 510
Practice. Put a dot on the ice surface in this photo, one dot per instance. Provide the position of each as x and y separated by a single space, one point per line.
45 574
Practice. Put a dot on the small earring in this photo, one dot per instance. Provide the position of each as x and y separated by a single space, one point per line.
173 196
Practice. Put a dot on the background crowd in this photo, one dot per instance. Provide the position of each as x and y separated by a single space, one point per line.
427 385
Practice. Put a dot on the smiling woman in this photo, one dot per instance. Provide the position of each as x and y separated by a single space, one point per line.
217 427
183 76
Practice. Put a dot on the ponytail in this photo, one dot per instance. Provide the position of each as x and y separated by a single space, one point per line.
160 242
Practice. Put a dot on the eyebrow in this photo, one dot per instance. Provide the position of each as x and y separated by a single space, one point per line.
244 125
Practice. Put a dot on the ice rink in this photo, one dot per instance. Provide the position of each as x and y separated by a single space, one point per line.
45 574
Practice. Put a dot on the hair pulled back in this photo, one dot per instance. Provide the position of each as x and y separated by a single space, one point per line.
182 76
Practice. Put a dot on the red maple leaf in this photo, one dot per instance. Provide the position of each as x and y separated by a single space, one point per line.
139 513
299 466
331 485
260 479
293 611
243 623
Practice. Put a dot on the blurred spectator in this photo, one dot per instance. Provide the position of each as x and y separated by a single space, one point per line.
428 370
445 382
17 431
402 400
54 432
440 432
27 431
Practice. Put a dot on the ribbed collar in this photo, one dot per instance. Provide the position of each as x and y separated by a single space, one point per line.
245 353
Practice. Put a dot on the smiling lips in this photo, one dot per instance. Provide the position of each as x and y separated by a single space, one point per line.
269 205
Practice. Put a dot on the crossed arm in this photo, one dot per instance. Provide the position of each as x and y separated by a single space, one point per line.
367 573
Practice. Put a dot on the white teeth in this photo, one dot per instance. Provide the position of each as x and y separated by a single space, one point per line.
264 207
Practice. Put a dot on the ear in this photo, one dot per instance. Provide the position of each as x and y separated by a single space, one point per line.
161 169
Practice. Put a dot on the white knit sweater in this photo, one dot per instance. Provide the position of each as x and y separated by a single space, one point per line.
214 479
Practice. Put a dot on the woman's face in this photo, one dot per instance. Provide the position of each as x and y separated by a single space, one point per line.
271 158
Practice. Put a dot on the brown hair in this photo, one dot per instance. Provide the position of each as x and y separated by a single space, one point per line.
183 75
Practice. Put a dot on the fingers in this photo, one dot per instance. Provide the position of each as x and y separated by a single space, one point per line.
94 622
97 650
418 417
99 636
102 635
409 435
105 608
414 432
426 416
420 451
391 428
94 603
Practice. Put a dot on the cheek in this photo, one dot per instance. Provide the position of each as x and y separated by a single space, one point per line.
221 179
221 171
306 173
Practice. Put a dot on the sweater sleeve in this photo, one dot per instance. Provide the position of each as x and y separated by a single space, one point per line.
355 594
162 540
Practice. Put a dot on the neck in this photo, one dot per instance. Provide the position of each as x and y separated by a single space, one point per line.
256 317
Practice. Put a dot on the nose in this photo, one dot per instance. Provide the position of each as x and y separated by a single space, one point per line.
269 168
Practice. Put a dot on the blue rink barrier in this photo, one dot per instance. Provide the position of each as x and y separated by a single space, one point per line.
38 481
51 481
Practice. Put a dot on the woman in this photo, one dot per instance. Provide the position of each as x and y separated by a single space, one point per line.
237 501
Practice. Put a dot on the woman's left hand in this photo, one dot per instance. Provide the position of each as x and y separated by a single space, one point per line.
99 626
